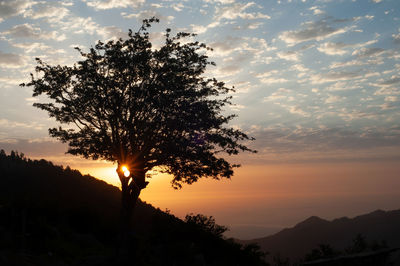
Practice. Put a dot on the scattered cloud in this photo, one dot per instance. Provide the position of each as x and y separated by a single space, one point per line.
47 10
280 94
238 10
10 60
272 80
145 14
30 47
109 4
331 48
249 26
289 55
7 124
316 10
334 99
333 76
28 31
318 30
342 86
368 52
177 7
387 91
298 110
396 38
14 8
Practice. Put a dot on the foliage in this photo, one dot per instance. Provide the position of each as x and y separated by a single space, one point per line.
359 245
206 223
131 103
324 251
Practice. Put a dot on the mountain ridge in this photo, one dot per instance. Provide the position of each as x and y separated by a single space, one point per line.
295 242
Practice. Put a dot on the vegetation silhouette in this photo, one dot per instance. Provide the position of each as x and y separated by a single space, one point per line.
143 108
51 215
361 252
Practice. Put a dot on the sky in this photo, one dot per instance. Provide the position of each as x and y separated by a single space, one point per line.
317 85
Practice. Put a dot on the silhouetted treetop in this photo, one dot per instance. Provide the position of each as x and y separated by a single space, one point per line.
206 223
129 102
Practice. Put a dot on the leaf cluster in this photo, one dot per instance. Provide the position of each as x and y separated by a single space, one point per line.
129 102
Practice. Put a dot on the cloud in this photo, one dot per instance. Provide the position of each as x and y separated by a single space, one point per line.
391 99
303 71
229 45
349 116
198 29
387 91
32 46
14 8
109 4
331 48
280 94
224 2
389 82
316 10
318 30
342 86
47 10
9 60
235 11
396 38
334 99
357 62
145 14
388 105
11 81
273 80
238 10
249 26
326 144
231 11
80 25
226 46
28 31
289 55
177 7
298 110
112 32
8 124
332 76
368 52
230 69
42 147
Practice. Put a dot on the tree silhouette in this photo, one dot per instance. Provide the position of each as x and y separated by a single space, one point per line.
141 107
206 224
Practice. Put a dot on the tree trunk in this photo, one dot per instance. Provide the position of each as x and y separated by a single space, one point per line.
131 187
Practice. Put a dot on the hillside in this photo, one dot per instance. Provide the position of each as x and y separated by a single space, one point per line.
51 215
299 240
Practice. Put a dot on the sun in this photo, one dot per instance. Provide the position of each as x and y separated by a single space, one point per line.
125 171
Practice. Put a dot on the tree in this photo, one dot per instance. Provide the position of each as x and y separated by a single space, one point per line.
206 224
141 107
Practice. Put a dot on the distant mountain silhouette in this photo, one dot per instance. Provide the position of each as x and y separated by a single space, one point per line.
297 241
51 215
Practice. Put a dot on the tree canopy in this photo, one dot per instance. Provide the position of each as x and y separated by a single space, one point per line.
129 102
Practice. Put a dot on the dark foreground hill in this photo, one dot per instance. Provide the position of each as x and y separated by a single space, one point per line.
50 215
339 234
